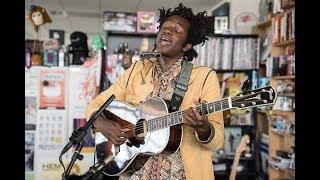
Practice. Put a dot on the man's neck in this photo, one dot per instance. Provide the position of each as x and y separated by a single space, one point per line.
167 62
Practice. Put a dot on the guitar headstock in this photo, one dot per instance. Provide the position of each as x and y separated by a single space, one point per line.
257 97
243 144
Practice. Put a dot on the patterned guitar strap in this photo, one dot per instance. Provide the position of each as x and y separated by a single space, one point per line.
181 86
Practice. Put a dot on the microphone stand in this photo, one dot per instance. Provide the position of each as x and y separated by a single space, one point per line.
77 138
96 168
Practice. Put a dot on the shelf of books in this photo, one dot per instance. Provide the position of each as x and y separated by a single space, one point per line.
235 60
277 52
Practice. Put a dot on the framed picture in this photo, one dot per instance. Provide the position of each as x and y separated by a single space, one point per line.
57 34
232 139
119 21
146 21
221 24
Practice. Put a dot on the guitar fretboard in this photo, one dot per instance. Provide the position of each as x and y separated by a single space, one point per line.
177 117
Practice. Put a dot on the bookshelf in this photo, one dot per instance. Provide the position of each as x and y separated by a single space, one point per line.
284 77
232 74
279 140
285 43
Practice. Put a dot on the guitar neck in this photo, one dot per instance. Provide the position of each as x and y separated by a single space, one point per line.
177 117
234 167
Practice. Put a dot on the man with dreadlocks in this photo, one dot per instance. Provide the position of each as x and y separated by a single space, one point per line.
180 30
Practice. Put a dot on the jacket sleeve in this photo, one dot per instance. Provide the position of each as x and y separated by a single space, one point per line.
118 89
211 93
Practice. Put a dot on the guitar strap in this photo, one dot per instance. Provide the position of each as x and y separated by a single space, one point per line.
181 86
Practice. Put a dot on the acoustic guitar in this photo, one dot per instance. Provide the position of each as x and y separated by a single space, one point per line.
241 147
154 130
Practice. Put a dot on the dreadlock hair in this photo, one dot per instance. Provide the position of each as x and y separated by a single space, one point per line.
200 26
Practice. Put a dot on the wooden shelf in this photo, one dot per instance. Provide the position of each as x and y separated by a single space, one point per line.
290 172
262 62
228 125
241 158
234 70
287 94
283 77
122 33
281 133
225 173
234 35
282 113
265 24
285 43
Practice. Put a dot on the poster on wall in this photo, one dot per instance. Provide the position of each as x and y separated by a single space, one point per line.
51 130
94 68
84 86
29 175
30 112
52 88
146 21
232 139
49 168
29 150
78 91
31 81
114 68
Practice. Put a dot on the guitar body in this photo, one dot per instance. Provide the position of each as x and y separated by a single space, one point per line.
154 130
140 145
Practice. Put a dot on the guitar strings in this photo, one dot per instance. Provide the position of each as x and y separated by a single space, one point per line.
155 122
161 122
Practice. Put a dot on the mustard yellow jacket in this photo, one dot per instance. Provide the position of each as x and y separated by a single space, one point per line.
137 83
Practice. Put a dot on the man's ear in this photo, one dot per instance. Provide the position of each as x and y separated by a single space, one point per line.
187 47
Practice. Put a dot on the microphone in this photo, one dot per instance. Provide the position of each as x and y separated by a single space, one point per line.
97 167
146 55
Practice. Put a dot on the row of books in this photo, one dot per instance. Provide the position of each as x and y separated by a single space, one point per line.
284 27
280 66
228 53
